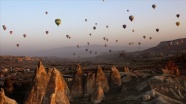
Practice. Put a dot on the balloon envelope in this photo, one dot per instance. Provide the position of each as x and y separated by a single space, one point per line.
178 15
157 30
11 32
131 17
24 35
178 23
154 6
58 21
124 26
4 27
94 27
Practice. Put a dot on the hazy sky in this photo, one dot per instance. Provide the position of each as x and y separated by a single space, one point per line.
28 17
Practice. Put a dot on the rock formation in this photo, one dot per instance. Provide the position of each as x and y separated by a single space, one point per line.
38 87
77 84
8 86
115 78
55 93
90 83
47 88
171 68
98 94
4 99
126 69
102 80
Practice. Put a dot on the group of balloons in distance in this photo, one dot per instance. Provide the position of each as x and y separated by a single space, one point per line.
131 18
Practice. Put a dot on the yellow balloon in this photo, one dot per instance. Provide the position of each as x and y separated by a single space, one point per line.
58 21
178 23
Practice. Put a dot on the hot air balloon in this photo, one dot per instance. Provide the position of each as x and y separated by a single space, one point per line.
116 40
157 30
47 32
178 23
150 38
88 43
129 43
95 23
107 39
104 38
144 37
131 17
74 54
90 34
124 26
17 45
139 43
105 45
78 46
110 50
46 12
95 52
4 27
94 28
132 43
133 30
153 6
107 26
85 20
86 49
11 32
24 35
127 10
178 15
67 36
58 21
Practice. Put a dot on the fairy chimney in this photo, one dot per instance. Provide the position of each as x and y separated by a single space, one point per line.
115 78
101 78
4 99
38 86
55 92
98 94
77 84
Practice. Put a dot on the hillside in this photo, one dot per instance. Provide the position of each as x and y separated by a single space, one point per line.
165 46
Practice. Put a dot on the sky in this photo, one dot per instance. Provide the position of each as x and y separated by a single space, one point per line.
28 17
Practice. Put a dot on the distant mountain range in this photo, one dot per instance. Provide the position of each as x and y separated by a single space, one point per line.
74 52
169 46
67 52
165 47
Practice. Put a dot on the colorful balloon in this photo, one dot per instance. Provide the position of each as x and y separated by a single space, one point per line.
178 23
58 21
131 18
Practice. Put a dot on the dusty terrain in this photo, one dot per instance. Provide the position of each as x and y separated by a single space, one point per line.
144 79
